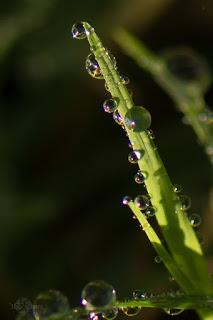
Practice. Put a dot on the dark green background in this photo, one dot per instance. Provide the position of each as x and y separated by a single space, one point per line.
63 162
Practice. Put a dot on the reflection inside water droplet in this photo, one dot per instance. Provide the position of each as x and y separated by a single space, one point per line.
137 119
93 67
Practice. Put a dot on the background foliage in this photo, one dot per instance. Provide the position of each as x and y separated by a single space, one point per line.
63 167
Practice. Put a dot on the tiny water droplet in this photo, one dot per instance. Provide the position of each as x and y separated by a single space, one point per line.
110 314
117 117
79 31
93 316
50 302
130 144
151 134
177 188
173 311
106 87
158 259
93 67
142 202
149 212
124 79
112 58
140 177
110 105
131 311
206 116
137 119
139 295
97 294
134 156
185 202
126 200
195 220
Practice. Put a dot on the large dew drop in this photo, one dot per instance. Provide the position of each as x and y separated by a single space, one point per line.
97 295
195 220
110 314
50 302
79 31
173 311
131 311
137 119
93 67
140 177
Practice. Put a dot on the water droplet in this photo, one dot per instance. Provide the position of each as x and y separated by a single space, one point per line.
130 144
140 177
110 314
134 156
93 67
188 66
209 150
151 134
126 200
106 87
149 212
186 120
206 116
131 311
110 105
185 202
141 202
50 302
124 79
139 295
93 316
173 311
177 188
117 117
137 119
195 220
79 31
112 58
97 294
158 259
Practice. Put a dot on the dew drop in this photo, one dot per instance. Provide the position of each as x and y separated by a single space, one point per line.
93 67
177 188
142 202
149 212
137 119
79 31
206 116
110 105
151 134
173 311
110 314
50 302
140 177
134 156
158 259
117 117
97 294
112 58
195 220
93 316
124 79
126 200
139 295
131 311
185 202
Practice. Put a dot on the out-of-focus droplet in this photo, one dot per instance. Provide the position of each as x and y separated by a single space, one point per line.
131 311
134 156
177 188
110 314
97 294
137 119
110 105
173 311
142 202
140 177
185 202
79 31
139 295
93 67
50 302
195 220
126 200
150 211
158 259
